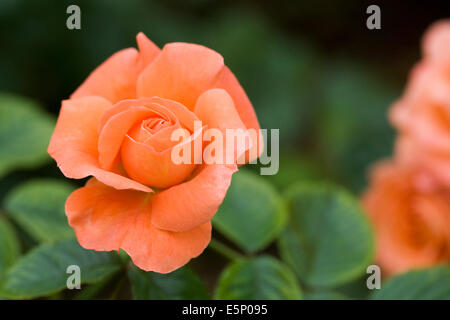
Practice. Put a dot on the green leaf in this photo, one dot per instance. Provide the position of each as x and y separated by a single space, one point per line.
252 214
261 278
181 284
25 131
42 271
355 289
38 207
425 284
329 240
9 245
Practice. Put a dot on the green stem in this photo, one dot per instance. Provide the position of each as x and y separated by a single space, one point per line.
225 250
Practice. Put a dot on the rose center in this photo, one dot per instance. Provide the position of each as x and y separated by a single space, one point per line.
155 124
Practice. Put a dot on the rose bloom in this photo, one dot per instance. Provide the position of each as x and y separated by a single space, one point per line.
422 115
117 127
411 217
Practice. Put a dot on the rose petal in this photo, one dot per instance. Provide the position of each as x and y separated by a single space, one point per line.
436 42
181 73
108 219
226 80
74 143
148 51
185 116
114 131
409 153
405 236
115 79
160 140
190 204
184 71
216 109
150 167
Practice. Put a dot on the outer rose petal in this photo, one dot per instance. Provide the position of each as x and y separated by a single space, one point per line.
190 204
115 79
74 143
226 80
108 219
216 109
148 51
181 72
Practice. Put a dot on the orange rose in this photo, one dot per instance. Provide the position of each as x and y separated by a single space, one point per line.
422 115
117 127
411 216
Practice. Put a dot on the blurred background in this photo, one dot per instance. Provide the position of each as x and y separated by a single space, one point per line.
311 68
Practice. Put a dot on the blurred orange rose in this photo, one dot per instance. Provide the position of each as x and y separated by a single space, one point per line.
408 199
117 126
422 115
411 216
